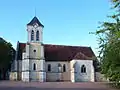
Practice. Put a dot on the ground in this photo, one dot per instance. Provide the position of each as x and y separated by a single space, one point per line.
18 85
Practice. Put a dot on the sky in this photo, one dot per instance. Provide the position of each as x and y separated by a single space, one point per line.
66 22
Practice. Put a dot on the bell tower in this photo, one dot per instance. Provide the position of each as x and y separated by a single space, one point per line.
33 62
35 30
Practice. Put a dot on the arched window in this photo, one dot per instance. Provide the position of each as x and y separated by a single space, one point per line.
83 69
59 67
49 67
64 68
32 35
34 66
37 36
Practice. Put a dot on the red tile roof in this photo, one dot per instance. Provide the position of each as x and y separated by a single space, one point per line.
62 52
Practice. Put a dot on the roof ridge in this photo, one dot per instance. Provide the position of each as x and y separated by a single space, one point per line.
61 45
66 45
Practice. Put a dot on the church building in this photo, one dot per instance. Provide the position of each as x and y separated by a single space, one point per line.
37 61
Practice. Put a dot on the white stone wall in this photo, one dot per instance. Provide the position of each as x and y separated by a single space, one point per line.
25 76
81 77
24 55
34 76
39 73
43 65
54 65
29 29
27 53
25 65
30 51
32 57
39 65
92 73
15 65
72 71
39 51
38 76
42 52
53 75
13 76
42 76
20 65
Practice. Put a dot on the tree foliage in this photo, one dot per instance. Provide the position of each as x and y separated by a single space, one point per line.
116 6
7 53
109 44
116 3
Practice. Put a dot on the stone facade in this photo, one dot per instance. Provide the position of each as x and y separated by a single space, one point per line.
54 74
80 76
36 61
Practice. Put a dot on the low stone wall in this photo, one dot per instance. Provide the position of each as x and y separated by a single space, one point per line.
13 76
100 77
52 77
66 76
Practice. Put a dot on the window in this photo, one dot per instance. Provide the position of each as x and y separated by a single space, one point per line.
83 69
37 36
32 35
49 67
64 68
34 66
59 67
34 53
34 50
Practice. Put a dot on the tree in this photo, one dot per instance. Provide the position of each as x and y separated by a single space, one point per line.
116 6
109 45
7 54
116 3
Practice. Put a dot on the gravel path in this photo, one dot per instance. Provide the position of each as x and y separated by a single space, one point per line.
18 85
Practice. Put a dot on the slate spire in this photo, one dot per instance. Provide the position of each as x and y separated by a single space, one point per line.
35 20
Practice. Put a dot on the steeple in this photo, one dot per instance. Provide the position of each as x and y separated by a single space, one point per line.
34 21
35 29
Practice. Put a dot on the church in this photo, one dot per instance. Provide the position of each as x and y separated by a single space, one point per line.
37 61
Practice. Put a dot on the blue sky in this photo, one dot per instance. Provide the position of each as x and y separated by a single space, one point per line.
67 22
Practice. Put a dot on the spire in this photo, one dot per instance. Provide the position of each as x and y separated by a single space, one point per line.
35 20
35 12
